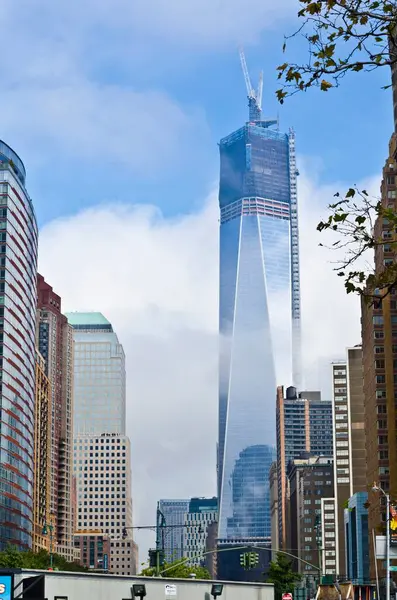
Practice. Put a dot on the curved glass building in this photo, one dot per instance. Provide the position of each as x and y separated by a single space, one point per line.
18 273
259 316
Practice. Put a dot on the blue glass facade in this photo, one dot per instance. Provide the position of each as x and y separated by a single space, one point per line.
18 303
259 316
357 539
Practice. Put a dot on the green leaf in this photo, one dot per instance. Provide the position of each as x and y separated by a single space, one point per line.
325 85
350 193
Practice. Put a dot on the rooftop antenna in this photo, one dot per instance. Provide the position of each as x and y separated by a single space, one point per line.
254 96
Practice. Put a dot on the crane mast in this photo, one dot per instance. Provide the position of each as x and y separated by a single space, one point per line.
254 96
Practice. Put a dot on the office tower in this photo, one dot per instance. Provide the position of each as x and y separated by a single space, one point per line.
174 512
54 340
304 424
102 467
18 265
379 346
93 549
99 384
259 314
349 439
273 483
102 453
328 535
310 480
357 539
202 512
42 456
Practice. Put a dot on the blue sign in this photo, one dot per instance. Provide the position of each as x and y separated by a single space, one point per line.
6 591
105 563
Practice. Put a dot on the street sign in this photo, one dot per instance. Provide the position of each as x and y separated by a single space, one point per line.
393 568
105 562
287 596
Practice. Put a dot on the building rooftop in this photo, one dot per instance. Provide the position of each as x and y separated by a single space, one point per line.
88 320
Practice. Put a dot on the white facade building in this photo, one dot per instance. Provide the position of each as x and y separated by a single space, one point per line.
102 468
195 534
102 453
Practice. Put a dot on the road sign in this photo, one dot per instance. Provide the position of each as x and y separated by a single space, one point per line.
105 562
287 596
393 568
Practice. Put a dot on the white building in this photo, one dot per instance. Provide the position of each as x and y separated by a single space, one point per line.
102 468
102 454
328 536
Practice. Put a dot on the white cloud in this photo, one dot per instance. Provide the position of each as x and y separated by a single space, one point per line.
197 24
146 131
156 280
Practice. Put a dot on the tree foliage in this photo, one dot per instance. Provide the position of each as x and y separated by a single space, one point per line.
178 569
343 36
12 558
353 219
282 576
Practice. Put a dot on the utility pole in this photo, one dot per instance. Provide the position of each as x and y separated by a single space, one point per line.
160 525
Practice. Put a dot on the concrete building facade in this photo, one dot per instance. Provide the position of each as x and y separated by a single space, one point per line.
94 549
379 345
310 480
42 456
304 424
102 468
123 556
349 440
328 536
55 344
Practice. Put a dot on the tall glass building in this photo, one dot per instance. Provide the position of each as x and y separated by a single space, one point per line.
102 451
99 376
18 270
259 315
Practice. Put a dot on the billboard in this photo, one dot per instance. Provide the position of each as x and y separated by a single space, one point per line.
393 525
6 587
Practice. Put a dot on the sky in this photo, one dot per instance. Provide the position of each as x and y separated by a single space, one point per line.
116 108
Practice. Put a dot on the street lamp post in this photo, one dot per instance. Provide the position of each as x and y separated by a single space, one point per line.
48 527
377 488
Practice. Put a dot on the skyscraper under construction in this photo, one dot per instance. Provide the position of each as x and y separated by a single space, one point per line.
259 313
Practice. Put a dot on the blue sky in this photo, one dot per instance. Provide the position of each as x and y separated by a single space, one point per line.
143 91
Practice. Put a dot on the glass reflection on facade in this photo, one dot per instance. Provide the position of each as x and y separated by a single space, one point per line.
99 376
259 316
18 270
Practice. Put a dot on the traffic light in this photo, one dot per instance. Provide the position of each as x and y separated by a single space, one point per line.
244 560
124 533
249 560
153 557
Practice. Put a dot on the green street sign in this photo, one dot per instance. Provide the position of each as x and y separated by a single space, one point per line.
393 568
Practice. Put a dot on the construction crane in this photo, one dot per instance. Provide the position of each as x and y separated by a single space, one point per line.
254 96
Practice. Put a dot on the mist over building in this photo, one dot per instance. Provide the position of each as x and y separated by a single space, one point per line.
259 314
